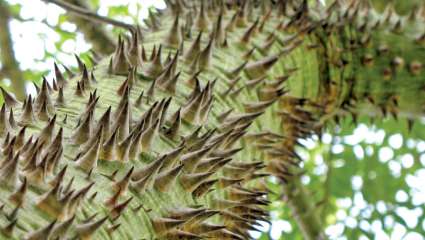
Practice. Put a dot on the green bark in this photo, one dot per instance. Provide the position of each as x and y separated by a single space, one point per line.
319 56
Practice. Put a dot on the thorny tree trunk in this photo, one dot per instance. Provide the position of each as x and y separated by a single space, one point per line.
172 136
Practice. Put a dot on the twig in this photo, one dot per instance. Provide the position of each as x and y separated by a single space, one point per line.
89 15
55 27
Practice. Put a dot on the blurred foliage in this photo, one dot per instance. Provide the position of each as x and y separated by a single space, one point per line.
67 35
402 7
367 181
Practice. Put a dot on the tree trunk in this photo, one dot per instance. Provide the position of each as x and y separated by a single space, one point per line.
10 66
178 132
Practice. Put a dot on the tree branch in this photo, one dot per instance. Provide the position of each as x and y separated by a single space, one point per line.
327 184
101 40
303 209
89 15
10 67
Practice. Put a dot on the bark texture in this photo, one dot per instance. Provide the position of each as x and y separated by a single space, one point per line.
172 137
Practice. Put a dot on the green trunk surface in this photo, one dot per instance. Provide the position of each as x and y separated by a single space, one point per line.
320 52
